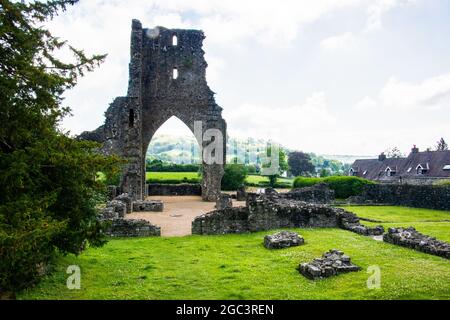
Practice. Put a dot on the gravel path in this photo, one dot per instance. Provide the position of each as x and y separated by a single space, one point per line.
178 214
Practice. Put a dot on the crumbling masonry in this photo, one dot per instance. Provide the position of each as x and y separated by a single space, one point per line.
166 78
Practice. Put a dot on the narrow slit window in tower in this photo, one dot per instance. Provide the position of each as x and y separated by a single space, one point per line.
174 40
175 73
131 118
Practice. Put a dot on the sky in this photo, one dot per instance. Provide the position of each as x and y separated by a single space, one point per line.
349 77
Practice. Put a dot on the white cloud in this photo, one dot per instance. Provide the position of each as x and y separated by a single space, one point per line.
378 8
291 125
367 103
100 26
345 41
432 93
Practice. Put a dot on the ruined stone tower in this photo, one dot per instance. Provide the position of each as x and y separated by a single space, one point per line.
166 78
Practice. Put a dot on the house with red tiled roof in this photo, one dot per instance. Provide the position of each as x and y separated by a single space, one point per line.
425 167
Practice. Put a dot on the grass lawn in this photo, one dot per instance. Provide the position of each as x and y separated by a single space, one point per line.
193 177
255 180
430 222
173 177
239 267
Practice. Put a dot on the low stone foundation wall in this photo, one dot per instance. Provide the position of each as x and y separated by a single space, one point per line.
185 189
418 196
349 221
319 193
225 221
410 238
273 211
149 205
132 228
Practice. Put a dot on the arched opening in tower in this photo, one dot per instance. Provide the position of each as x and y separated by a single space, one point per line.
173 155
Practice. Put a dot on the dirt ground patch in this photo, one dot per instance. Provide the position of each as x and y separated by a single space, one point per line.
178 214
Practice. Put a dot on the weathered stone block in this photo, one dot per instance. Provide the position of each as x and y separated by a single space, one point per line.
241 194
224 201
330 264
119 206
132 228
148 206
283 239
108 213
125 198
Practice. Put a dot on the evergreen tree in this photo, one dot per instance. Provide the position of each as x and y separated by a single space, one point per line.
48 180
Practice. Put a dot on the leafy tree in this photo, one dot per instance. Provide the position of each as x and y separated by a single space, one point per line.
324 173
300 164
234 176
282 166
394 152
441 145
48 180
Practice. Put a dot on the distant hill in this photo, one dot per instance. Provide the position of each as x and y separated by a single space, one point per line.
346 158
185 150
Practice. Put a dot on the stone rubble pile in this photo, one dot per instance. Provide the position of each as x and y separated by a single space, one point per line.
411 238
283 239
330 264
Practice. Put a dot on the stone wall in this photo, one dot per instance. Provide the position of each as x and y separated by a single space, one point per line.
148 206
411 238
319 193
185 189
117 226
228 220
273 211
267 212
132 228
418 196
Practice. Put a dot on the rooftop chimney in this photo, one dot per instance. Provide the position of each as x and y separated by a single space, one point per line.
382 157
415 149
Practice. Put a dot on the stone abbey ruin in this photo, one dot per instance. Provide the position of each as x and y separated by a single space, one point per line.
167 77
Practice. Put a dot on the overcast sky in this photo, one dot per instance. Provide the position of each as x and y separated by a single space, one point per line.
325 76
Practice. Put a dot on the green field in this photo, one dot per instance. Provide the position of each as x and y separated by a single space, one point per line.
257 180
239 267
193 177
176 176
431 222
